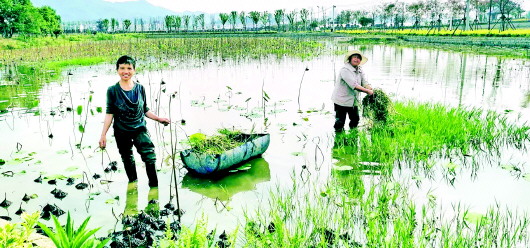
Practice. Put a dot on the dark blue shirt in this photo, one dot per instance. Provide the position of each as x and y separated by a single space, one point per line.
128 107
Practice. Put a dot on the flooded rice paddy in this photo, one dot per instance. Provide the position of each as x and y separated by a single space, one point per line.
43 126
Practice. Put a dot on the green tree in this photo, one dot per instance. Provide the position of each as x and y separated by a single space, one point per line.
113 24
313 25
8 17
365 21
243 19
224 18
20 16
304 16
186 19
30 22
264 18
126 25
178 22
344 17
195 22
233 19
169 22
291 17
105 25
200 20
278 17
52 21
255 16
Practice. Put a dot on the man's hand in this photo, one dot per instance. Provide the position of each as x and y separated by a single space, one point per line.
164 121
103 142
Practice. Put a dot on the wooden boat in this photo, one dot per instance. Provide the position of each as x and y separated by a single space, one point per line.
205 164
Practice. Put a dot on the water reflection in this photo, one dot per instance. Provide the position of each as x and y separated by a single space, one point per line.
225 186
131 200
350 158
20 85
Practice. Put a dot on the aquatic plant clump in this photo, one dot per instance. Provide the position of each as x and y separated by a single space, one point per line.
216 144
377 106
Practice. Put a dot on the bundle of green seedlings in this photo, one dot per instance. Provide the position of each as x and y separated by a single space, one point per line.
377 106
216 144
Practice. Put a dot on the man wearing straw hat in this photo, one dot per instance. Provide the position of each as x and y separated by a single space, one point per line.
351 79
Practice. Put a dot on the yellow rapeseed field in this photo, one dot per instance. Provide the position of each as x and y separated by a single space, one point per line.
445 32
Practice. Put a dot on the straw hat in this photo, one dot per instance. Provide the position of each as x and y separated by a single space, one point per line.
349 53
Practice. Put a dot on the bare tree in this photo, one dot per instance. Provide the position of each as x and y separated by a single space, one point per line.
481 9
456 9
387 13
505 7
417 10
435 10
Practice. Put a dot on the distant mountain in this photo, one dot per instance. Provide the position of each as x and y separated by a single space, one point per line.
90 10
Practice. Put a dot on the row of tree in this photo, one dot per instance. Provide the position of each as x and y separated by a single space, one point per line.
434 12
21 17
430 13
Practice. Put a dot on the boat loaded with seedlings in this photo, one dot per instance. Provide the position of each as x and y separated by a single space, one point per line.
221 153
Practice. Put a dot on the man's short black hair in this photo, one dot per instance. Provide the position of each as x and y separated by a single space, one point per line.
127 60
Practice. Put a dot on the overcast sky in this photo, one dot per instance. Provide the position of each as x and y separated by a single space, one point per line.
218 6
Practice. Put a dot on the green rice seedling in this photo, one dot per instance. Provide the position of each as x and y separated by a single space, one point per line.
419 132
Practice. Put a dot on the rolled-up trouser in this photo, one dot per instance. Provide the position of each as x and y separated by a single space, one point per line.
146 149
340 117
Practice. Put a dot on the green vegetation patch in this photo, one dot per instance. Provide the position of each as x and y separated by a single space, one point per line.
215 144
417 132
76 62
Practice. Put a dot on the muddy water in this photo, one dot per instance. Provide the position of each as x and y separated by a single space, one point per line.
215 94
